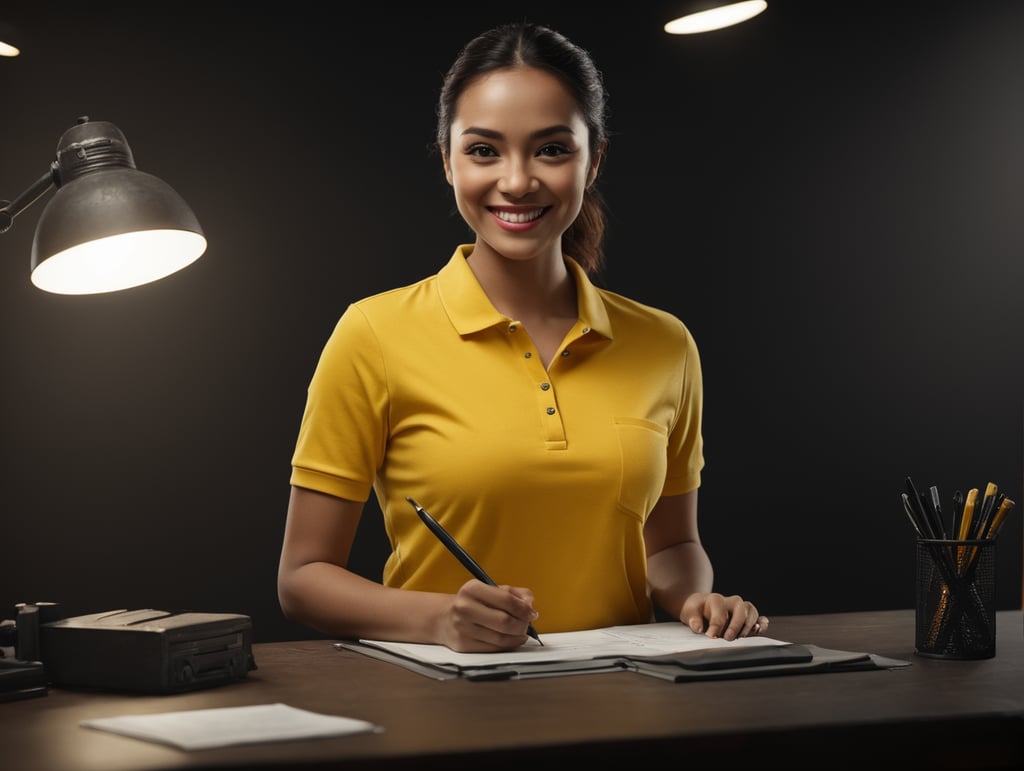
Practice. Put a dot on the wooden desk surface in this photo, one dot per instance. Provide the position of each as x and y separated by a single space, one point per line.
944 714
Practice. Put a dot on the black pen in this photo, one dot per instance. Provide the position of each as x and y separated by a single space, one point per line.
921 512
911 516
958 506
453 546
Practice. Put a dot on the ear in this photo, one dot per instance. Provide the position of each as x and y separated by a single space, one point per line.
447 168
595 163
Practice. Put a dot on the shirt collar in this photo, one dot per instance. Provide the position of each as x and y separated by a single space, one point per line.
470 310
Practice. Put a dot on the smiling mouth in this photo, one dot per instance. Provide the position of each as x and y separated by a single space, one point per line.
519 217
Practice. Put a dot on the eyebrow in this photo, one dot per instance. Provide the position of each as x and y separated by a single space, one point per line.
540 134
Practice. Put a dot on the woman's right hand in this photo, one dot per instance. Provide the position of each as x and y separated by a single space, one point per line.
483 619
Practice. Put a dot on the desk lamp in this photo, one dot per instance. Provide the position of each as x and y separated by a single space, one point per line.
704 15
109 226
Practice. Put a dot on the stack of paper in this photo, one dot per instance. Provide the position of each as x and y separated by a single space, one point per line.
667 650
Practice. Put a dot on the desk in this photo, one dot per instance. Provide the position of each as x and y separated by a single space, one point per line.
940 714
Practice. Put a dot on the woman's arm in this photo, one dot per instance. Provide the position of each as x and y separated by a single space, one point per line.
315 589
681 576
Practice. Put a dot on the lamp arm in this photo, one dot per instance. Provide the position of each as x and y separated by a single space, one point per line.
8 211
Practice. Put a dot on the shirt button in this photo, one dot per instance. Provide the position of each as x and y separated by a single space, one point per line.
545 386
528 355
565 353
551 410
512 327
586 329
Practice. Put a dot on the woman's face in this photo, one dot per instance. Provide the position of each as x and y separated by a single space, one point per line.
519 161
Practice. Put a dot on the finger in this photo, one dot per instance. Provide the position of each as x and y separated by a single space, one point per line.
525 610
717 612
477 638
512 608
693 612
524 595
741 619
480 627
729 617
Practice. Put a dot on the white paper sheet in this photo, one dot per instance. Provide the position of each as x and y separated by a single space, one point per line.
630 640
201 729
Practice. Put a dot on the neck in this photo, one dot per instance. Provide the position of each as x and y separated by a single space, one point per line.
524 289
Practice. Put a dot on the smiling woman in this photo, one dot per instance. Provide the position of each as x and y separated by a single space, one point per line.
552 427
845 229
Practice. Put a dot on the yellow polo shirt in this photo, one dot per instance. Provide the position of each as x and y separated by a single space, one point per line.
545 476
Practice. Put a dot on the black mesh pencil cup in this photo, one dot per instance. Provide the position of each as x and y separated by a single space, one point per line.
955 599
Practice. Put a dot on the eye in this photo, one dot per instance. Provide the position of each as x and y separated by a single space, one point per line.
554 150
481 151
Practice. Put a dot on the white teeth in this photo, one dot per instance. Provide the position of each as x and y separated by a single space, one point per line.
518 217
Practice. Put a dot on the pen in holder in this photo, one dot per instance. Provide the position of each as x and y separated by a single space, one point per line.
955 599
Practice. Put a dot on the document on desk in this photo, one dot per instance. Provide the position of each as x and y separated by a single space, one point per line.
668 650
202 729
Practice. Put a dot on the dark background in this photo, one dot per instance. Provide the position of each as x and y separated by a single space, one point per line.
830 196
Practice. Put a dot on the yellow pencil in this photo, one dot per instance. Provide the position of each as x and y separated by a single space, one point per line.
997 520
980 524
965 525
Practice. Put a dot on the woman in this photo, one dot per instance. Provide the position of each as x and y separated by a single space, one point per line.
553 427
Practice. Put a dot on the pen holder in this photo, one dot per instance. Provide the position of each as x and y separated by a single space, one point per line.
955 606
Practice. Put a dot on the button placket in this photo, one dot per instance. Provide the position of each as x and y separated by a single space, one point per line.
553 430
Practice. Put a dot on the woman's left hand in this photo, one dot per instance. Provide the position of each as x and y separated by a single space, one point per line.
717 615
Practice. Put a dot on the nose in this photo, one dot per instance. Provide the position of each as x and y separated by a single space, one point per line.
517 179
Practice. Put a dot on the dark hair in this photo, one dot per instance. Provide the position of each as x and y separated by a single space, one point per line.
531 45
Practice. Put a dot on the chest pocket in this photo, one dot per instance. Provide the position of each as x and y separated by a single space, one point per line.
643 446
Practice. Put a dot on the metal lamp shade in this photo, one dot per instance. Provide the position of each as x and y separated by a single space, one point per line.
111 229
